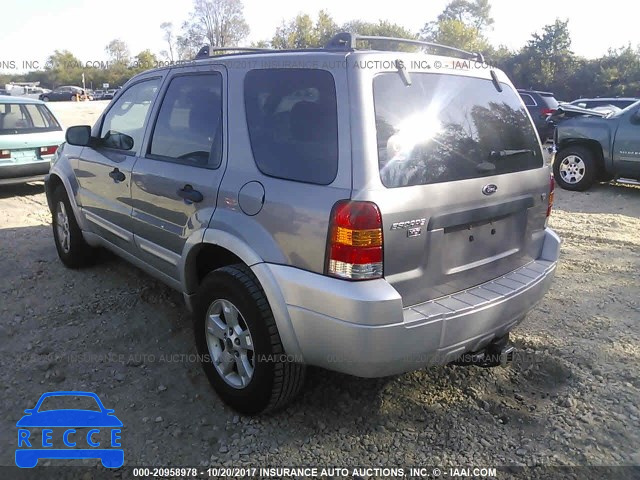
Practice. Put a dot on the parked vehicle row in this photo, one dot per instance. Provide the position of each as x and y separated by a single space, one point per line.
65 93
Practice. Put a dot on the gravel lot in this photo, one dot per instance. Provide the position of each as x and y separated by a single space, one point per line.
571 397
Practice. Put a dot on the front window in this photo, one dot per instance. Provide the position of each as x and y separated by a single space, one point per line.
18 118
123 125
444 128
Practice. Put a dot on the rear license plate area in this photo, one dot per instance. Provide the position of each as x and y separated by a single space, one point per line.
477 243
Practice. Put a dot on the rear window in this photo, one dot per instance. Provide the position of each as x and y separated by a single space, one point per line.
549 100
16 118
444 128
293 123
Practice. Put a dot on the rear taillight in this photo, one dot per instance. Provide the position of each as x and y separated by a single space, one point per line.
5 153
552 186
354 249
548 111
48 150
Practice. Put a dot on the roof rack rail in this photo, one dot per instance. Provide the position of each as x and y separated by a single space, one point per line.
347 41
204 52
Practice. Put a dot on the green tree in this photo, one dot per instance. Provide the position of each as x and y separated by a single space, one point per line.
298 33
475 13
455 33
63 68
302 32
144 61
462 24
382 28
546 62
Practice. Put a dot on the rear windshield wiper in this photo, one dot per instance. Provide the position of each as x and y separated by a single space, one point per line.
509 153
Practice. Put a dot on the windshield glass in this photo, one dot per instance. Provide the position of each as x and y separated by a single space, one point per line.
18 118
444 128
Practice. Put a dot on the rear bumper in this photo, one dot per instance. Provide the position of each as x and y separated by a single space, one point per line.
25 172
362 329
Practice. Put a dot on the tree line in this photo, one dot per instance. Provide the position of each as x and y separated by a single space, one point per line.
545 62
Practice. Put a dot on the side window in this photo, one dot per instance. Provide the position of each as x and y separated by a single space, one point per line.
123 125
293 123
189 124
528 100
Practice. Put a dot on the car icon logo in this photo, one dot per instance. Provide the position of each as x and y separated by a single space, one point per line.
69 433
490 189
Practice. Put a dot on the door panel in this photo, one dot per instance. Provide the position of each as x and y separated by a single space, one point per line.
626 149
105 200
104 170
175 185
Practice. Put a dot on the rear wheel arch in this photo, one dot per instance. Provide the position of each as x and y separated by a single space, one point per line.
219 249
54 182
575 167
592 145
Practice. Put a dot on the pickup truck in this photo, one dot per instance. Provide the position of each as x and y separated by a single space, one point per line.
596 146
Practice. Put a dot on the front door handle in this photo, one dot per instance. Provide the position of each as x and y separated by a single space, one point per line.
189 194
117 175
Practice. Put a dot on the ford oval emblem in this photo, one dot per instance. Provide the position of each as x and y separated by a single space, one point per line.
490 189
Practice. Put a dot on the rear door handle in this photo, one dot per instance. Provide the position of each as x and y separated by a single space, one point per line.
117 175
190 195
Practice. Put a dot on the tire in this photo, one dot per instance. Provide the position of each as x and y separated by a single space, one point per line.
45 99
575 168
72 249
274 380
73 98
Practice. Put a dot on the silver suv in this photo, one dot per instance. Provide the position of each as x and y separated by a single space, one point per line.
363 211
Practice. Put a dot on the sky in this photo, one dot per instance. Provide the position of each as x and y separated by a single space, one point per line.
33 29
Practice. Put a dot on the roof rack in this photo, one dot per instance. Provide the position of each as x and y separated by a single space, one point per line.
343 41
204 52
348 41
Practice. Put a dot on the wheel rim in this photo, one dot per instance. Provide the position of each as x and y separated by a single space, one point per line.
230 344
62 227
572 169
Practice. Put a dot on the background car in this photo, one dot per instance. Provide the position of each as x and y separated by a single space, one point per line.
98 94
29 137
541 105
108 95
64 93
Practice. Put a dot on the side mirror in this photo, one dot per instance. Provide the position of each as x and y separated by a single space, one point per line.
635 117
79 135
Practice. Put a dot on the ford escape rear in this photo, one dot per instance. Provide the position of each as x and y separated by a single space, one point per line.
361 211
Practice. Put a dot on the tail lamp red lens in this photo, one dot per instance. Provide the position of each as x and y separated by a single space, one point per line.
354 249
48 150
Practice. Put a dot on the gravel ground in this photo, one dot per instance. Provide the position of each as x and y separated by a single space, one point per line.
570 398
